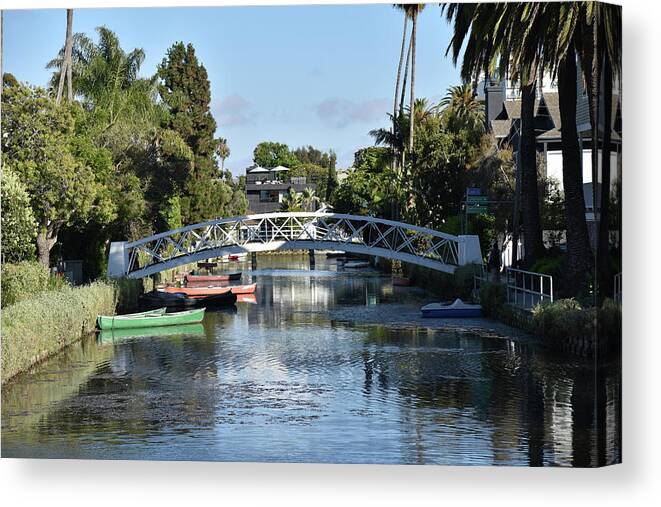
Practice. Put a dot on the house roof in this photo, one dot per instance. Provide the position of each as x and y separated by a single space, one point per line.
501 128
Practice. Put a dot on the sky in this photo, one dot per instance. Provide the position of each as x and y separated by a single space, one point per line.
301 75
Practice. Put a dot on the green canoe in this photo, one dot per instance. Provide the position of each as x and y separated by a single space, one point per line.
109 336
150 320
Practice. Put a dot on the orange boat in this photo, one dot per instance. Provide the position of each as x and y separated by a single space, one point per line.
225 277
197 292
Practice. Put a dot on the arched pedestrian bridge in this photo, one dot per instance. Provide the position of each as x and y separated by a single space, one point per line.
292 231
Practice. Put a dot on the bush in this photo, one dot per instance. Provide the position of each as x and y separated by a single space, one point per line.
22 281
493 297
464 280
129 290
17 220
36 328
563 319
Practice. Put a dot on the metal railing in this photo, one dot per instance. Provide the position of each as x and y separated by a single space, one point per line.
302 230
526 289
617 288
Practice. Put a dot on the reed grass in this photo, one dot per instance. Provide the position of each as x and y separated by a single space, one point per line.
36 328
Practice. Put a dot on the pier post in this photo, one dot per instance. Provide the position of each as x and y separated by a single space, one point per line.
253 258
311 255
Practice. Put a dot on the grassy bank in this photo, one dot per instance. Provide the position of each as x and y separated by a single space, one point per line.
563 325
38 327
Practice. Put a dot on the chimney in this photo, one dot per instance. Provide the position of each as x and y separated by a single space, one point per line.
494 97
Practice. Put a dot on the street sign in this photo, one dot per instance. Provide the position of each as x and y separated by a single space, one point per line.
477 199
477 210
473 191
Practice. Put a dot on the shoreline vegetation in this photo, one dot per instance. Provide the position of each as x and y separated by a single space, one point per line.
42 314
564 325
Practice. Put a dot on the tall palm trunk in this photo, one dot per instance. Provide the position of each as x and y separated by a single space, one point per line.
603 257
412 98
399 76
401 106
65 69
578 243
532 229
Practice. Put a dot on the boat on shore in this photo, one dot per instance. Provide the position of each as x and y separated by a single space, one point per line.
223 277
456 309
150 320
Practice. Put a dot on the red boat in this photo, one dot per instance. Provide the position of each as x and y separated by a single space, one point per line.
196 292
225 277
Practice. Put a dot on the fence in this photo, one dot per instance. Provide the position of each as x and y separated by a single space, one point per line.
526 289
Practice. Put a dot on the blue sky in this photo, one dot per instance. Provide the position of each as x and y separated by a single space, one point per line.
319 75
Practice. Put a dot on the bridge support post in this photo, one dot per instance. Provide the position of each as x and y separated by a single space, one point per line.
253 259
311 255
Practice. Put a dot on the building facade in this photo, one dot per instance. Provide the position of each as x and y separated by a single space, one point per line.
266 187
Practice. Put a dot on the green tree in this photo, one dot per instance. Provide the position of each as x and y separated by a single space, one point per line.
185 91
18 228
37 145
292 201
309 199
223 151
272 154
491 39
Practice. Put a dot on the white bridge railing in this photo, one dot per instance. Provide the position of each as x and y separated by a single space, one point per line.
526 289
293 231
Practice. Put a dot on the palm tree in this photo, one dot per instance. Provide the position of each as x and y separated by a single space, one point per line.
401 7
66 64
601 47
223 151
415 10
492 34
292 201
460 108
107 79
309 199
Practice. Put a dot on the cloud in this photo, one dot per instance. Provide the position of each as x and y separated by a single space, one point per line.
235 111
339 113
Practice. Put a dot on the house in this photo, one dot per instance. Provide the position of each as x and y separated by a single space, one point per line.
266 187
503 109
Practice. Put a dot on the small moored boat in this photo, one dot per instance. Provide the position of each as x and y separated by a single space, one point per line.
150 320
237 257
197 292
356 264
457 309
107 336
401 281
207 265
224 277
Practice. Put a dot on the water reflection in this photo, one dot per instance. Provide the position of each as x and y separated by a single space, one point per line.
283 380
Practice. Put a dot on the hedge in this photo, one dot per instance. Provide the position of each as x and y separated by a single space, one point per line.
36 328
22 281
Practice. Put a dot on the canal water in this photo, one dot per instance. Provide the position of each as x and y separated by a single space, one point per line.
326 365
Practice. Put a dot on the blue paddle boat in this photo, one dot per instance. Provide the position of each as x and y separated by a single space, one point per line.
457 309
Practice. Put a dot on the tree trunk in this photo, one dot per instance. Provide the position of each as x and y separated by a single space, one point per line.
70 57
578 243
603 245
65 68
413 41
532 229
46 239
399 75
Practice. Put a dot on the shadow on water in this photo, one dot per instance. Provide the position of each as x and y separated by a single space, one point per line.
316 371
